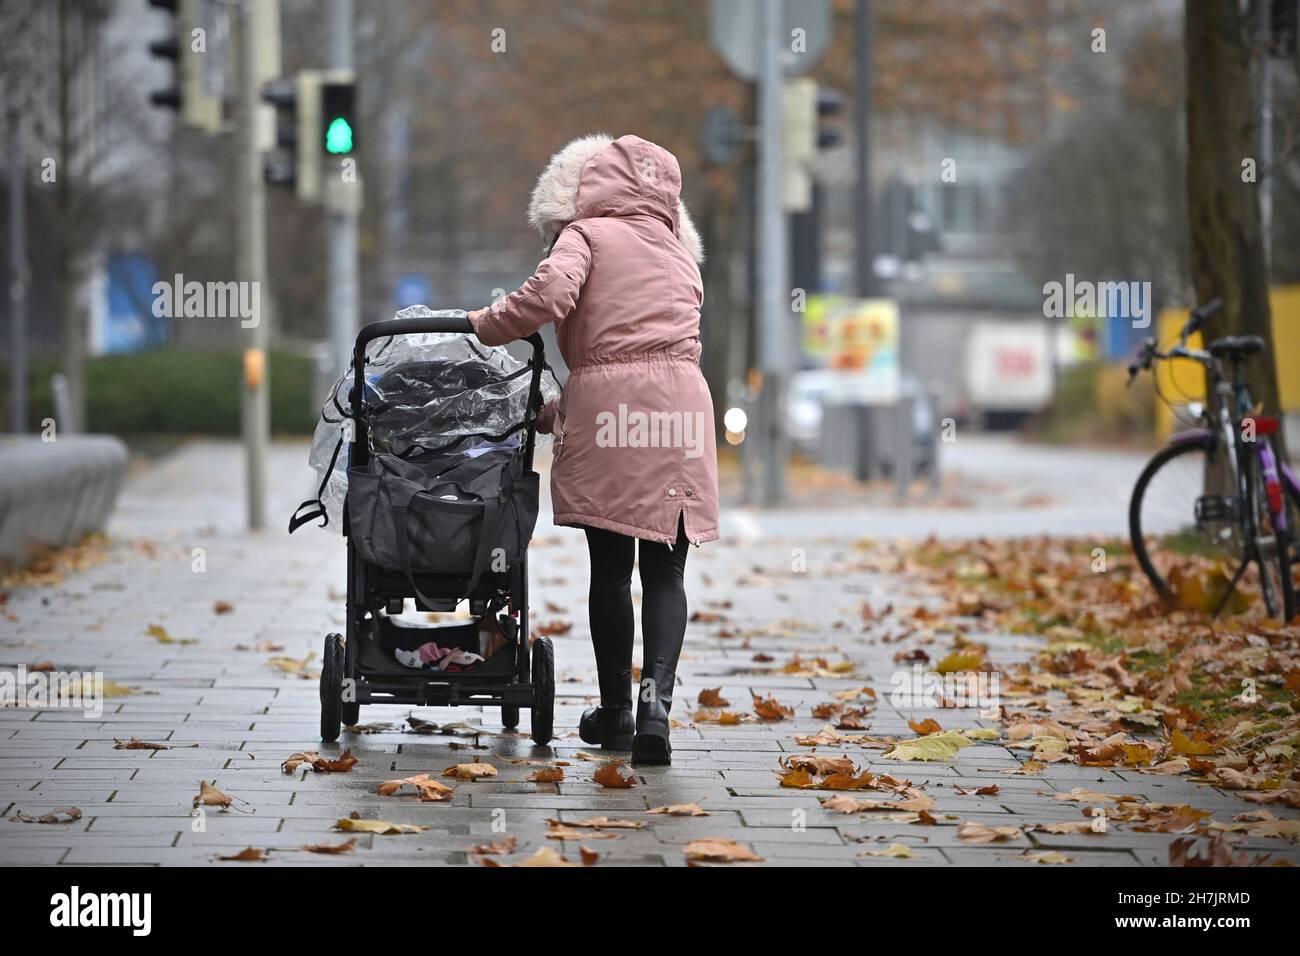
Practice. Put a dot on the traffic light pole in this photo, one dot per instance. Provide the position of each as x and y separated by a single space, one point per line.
774 312
255 394
863 253
344 292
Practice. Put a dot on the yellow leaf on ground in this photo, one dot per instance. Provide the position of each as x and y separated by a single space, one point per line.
470 771
1027 768
681 810
558 831
381 827
960 661
970 832
896 850
545 857
429 789
601 823
161 635
85 687
1185 745
1068 826
1084 795
941 746
1048 856
719 850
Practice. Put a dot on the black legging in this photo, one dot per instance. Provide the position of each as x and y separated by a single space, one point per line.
663 601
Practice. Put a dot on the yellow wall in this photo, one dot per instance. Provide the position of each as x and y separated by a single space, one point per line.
1285 302
1183 381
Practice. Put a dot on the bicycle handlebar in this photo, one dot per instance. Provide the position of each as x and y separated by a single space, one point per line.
1198 318
1143 360
1149 352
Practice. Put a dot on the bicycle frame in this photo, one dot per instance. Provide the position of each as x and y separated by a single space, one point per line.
1279 470
1262 480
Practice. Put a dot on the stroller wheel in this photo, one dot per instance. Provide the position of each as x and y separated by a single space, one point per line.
350 714
509 716
543 691
331 689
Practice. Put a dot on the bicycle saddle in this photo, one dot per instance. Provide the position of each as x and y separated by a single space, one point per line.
1237 345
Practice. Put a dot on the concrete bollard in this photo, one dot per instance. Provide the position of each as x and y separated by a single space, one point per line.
54 493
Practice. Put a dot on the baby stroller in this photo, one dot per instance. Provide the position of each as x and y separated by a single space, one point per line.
439 525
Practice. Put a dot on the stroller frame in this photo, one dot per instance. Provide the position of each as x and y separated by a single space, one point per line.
346 682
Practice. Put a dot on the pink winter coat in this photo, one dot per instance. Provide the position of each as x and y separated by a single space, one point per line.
634 435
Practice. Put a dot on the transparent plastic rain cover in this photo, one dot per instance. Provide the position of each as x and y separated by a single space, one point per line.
426 393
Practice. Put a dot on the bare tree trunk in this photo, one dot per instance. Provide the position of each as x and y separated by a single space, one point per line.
1228 257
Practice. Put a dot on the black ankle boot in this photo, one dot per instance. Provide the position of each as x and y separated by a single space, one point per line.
610 725
651 746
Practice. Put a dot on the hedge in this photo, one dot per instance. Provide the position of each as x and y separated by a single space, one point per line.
178 391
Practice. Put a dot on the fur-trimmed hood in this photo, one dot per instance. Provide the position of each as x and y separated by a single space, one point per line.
597 175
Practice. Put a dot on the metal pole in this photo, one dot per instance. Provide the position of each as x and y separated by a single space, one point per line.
18 273
255 390
773 257
863 246
344 285
867 423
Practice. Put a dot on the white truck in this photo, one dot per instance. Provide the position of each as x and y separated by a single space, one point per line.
1008 369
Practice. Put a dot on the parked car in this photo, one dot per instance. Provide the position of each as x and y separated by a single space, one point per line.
810 392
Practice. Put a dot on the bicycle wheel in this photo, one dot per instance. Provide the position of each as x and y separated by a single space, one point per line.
1293 526
1163 525
1293 515
1272 545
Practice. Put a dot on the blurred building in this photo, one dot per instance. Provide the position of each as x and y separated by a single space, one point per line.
953 246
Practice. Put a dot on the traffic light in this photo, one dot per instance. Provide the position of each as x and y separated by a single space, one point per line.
798 142
315 123
338 126
280 168
806 106
191 94
830 103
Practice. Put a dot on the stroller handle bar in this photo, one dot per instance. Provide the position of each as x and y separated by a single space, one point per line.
389 327
386 327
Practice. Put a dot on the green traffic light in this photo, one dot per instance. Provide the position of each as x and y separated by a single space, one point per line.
338 136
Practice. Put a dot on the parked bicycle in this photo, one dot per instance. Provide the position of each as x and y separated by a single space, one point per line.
1219 491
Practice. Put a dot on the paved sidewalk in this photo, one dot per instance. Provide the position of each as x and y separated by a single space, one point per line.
232 716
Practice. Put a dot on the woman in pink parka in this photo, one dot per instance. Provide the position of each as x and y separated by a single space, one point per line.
634 453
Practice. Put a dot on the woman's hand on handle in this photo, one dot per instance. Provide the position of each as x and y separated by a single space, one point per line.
546 417
475 316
